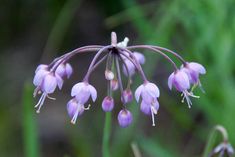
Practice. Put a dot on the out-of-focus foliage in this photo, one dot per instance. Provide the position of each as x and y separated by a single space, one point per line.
200 30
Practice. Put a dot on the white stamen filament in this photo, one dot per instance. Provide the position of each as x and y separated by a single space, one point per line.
153 111
51 97
186 96
73 121
40 102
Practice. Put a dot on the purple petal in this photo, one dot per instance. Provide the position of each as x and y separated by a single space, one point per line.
181 81
83 95
197 67
49 83
138 92
152 89
145 108
93 92
59 81
76 88
140 57
60 70
170 80
39 76
40 67
69 70
130 67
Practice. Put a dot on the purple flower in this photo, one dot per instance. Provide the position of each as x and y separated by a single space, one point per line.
74 109
149 93
130 66
64 70
46 82
180 80
127 96
108 104
124 118
193 70
82 92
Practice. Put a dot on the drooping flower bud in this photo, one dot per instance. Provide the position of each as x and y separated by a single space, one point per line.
193 70
109 75
64 70
127 96
179 80
114 84
124 118
108 104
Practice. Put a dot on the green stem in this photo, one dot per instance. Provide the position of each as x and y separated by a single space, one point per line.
30 135
106 135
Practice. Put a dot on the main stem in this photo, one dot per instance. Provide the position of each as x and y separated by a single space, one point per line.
106 135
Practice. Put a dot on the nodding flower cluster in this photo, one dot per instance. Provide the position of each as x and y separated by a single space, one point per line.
48 77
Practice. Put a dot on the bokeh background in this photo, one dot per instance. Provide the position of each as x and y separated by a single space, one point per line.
34 32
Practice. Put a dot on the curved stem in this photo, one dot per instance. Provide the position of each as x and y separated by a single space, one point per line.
212 139
127 70
94 60
160 52
98 63
134 61
106 135
64 58
118 74
160 48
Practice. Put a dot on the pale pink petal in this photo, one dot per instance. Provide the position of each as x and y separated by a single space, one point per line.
49 84
39 76
93 92
69 70
138 92
152 89
140 57
59 80
197 67
76 88
41 66
170 80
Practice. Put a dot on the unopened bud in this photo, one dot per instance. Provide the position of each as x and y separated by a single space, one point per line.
109 75
114 84
127 96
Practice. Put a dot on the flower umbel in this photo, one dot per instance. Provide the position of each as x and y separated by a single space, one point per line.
116 55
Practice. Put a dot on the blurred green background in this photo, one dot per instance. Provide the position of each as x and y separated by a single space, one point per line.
34 32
